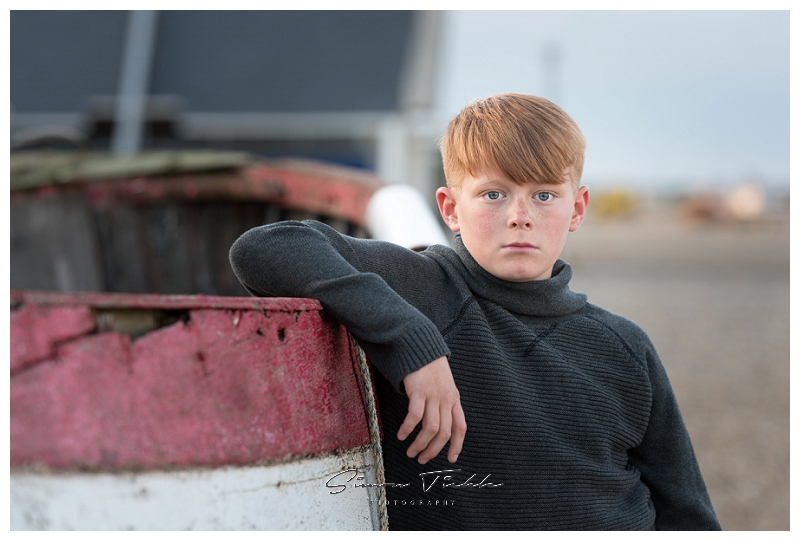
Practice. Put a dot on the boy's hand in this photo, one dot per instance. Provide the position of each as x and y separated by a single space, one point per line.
434 400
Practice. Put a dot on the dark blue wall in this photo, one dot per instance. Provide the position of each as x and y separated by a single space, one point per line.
60 57
221 61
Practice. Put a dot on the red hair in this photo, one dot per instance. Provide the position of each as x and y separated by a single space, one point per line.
525 138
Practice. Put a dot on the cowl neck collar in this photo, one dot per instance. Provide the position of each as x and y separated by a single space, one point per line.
550 297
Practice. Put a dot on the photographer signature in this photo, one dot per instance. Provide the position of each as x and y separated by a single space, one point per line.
429 480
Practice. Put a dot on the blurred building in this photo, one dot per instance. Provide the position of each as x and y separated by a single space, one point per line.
350 87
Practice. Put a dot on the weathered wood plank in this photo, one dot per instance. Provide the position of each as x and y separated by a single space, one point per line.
54 244
169 234
120 234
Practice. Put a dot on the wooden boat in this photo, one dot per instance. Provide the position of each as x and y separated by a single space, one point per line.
136 405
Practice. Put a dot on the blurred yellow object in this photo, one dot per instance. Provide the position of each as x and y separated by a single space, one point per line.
614 203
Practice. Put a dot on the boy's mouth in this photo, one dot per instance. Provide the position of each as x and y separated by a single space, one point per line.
520 247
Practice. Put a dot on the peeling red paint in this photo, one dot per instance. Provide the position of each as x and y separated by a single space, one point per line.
36 330
244 380
318 191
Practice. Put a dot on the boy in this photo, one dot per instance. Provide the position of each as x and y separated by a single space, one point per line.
572 421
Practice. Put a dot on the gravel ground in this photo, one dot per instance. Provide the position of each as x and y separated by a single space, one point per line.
714 299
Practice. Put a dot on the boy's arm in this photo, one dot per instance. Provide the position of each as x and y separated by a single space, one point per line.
309 259
667 462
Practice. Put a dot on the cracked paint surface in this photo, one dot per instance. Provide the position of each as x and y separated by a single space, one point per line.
242 381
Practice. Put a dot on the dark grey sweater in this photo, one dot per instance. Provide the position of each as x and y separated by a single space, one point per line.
572 423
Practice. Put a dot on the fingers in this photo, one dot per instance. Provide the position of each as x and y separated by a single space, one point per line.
433 400
459 430
416 407
440 437
440 424
427 438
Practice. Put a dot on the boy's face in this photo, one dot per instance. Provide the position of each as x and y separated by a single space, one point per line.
514 232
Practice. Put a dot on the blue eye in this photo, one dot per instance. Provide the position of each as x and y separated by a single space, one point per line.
493 195
544 196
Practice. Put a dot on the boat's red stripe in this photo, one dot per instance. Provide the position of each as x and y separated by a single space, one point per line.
239 384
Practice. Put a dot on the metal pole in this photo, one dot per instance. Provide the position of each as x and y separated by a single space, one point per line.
134 81
552 68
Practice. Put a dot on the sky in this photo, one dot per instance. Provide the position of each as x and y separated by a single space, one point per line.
663 97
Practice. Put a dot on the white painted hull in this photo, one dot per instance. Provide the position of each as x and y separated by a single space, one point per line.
287 496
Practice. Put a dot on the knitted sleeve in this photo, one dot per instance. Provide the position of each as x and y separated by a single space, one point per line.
667 463
350 277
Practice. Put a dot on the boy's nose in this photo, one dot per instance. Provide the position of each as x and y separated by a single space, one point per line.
520 215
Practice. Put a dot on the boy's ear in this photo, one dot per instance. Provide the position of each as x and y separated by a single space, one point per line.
581 206
447 208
